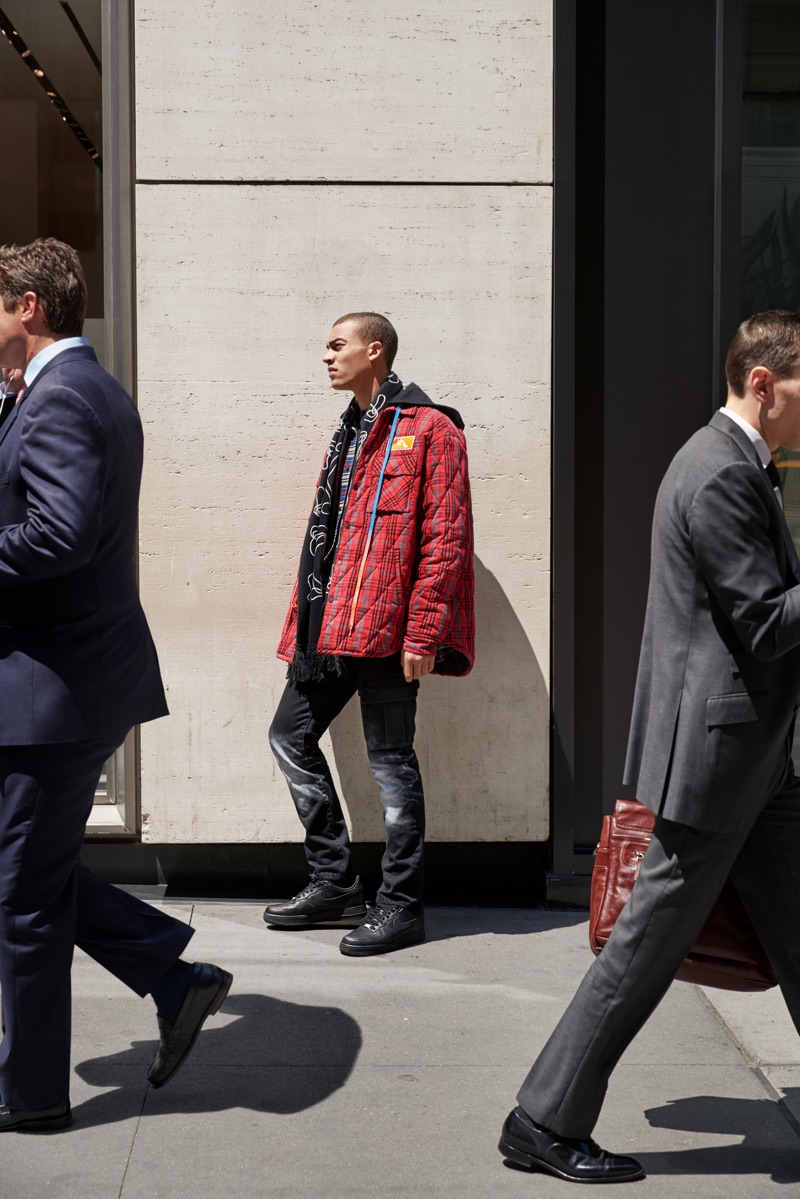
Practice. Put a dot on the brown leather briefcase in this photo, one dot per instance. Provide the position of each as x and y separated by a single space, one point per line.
727 952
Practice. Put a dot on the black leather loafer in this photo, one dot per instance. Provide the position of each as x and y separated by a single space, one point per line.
527 1144
205 996
320 902
47 1120
387 927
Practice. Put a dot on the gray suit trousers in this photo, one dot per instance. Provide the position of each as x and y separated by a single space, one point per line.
680 877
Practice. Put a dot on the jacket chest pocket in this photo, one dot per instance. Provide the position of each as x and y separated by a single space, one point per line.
5 478
397 491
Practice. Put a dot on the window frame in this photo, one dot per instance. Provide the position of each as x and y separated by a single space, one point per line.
118 816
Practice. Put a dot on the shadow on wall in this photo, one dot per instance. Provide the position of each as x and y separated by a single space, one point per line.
482 741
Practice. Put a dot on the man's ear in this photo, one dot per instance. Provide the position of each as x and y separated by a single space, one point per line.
374 351
29 307
761 379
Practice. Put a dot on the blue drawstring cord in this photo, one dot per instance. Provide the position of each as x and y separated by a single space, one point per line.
372 518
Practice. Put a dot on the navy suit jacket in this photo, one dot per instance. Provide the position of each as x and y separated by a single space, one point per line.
76 657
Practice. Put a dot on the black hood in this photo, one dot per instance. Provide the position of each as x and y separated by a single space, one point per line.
413 396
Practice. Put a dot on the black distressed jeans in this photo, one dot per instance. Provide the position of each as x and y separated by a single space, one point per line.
388 710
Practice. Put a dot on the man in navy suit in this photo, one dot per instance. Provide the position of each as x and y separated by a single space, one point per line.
78 668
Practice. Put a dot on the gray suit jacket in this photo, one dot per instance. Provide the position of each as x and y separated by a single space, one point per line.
719 673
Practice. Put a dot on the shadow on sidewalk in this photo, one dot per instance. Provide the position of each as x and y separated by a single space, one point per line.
760 1122
445 924
448 923
277 1057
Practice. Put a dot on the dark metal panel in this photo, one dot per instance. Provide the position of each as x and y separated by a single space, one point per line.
577 382
729 105
653 198
562 781
659 303
593 49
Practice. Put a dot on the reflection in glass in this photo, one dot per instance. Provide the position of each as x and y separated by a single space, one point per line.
771 157
51 182
51 117
771 191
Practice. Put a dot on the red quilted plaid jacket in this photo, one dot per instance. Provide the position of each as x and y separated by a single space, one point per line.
417 589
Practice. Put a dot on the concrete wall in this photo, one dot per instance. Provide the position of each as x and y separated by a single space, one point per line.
295 162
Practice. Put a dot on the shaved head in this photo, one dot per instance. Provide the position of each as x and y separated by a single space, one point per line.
372 326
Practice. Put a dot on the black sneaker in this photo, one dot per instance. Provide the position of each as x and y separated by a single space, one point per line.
320 902
388 927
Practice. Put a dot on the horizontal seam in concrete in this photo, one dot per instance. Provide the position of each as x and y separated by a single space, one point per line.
346 182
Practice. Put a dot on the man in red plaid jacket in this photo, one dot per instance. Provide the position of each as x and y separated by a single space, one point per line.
384 595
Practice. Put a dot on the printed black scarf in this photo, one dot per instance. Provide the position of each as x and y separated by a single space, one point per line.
322 534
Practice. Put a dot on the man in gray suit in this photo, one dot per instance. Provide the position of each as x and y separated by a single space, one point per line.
709 751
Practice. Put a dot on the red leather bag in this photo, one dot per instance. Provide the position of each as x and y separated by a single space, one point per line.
727 952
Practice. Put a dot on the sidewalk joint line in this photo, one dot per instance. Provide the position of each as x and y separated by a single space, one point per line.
786 1111
133 1142
722 1022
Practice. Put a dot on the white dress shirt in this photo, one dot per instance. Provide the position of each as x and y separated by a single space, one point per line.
761 447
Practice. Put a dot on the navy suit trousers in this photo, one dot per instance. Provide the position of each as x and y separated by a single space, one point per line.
50 902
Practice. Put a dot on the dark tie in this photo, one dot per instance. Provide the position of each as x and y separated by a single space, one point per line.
7 403
773 474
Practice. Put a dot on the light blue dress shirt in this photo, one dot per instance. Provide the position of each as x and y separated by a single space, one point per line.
49 353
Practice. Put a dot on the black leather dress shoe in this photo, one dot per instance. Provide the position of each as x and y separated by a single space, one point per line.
527 1144
320 902
387 927
46 1120
205 996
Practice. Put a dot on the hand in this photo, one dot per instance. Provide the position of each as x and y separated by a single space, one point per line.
416 666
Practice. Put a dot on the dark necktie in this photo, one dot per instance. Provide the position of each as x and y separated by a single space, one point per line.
773 474
7 403
775 479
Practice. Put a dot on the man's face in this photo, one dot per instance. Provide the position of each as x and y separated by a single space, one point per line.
12 337
784 415
347 358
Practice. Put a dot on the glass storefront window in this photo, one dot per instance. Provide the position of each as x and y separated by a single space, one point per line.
771 189
51 182
771 182
771 157
51 185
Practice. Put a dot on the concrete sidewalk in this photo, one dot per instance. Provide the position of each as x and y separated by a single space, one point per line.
326 1076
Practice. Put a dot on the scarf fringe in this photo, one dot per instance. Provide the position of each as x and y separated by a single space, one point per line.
312 667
